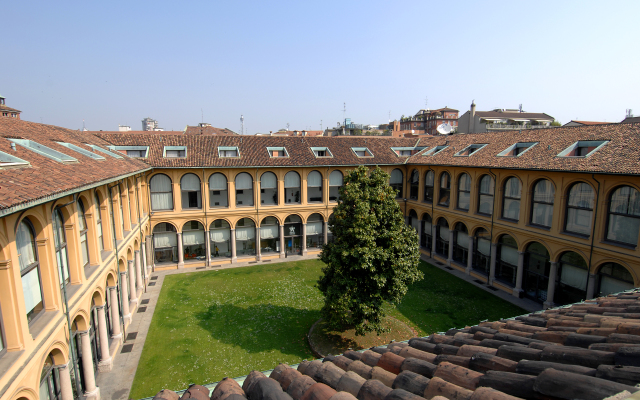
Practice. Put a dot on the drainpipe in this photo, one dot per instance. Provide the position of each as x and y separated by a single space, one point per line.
593 229
66 305
115 247
493 213
144 270
206 222
432 216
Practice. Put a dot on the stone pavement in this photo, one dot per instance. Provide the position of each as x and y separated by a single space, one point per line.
116 384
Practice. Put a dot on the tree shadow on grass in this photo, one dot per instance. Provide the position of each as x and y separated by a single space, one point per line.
260 328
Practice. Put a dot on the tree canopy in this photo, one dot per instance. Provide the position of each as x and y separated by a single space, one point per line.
374 255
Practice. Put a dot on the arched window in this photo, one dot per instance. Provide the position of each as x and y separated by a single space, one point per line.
193 241
293 234
396 182
579 209
220 234
165 243
329 234
507 260
413 221
445 189
161 193
218 190
335 183
107 310
442 238
245 237
29 269
536 273
190 189
315 231
268 189
464 192
572 279
244 190
314 187
414 183
60 241
542 203
624 216
460 243
93 330
485 195
481 252
511 202
99 221
427 233
50 388
82 224
269 235
292 187
613 278
428 186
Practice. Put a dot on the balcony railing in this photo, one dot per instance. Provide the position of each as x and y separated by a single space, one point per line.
515 127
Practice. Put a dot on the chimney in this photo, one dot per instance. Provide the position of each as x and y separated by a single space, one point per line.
472 117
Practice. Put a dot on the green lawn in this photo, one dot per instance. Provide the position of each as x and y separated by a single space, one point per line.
208 325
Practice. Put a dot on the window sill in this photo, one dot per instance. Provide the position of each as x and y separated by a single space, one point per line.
443 205
218 207
576 235
7 359
544 228
40 323
479 214
462 209
618 244
513 221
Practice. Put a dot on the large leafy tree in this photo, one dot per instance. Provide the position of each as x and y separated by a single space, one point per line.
374 255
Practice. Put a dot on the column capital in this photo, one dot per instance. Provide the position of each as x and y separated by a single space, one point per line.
111 287
82 333
123 272
136 251
5 264
99 307
521 253
130 262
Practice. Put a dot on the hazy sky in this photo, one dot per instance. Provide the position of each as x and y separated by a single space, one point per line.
297 62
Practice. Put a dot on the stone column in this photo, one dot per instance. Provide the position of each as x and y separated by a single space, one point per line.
105 358
138 260
304 239
470 256
258 253
419 233
132 283
126 314
326 232
232 239
207 242
434 232
519 274
450 256
148 251
180 252
591 286
90 389
115 313
66 390
282 254
551 288
492 264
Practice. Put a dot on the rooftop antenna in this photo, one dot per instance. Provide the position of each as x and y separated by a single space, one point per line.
520 108
426 102
629 113
83 128
320 125
444 129
202 115
287 127
242 124
344 116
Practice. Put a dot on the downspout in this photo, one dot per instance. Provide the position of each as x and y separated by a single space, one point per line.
593 229
66 305
115 247
206 221
144 270
432 216
493 213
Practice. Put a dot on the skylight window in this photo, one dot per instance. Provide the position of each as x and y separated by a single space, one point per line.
406 151
277 152
435 150
174 152
7 160
228 152
469 150
583 148
132 151
44 150
107 152
82 151
322 152
516 150
362 152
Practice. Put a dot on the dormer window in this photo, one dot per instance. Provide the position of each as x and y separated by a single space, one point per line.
362 152
175 151
82 151
516 150
406 151
132 151
7 160
228 152
277 152
44 150
435 150
322 152
107 152
583 148
469 150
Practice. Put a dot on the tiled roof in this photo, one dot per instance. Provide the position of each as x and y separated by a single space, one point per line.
207 130
202 151
512 115
589 350
631 120
619 156
9 109
141 132
589 122
46 177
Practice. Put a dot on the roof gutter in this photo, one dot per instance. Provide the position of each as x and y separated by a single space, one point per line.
46 199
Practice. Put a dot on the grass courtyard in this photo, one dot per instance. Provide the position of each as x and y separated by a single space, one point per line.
208 325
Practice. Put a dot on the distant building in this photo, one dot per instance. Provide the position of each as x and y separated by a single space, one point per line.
124 128
501 119
583 123
149 124
205 128
284 132
630 119
425 122
8 111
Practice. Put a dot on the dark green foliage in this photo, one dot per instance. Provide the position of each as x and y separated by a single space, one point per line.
374 255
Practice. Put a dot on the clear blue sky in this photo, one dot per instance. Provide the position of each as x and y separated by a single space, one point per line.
297 62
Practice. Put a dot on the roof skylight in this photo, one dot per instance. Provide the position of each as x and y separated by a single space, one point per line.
228 152
517 149
277 152
44 150
132 151
469 150
362 152
435 150
583 148
107 152
82 151
7 160
174 152
406 151
322 152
